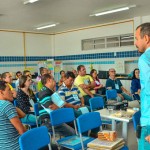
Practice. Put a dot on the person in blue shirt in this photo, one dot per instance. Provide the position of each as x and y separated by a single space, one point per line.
114 83
135 84
142 42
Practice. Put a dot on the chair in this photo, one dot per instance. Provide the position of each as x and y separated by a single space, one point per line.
97 103
13 85
35 139
111 94
87 122
36 112
136 119
124 148
37 96
65 115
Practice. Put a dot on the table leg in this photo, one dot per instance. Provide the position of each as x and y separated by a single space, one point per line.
125 131
113 127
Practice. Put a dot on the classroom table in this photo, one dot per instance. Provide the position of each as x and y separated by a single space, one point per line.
108 114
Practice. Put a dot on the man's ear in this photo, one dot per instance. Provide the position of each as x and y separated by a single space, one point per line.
147 39
1 92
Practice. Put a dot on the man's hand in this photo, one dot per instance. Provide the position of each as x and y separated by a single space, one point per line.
148 138
76 106
53 107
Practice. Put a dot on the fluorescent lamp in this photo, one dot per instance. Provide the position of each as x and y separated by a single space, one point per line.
46 26
113 11
29 1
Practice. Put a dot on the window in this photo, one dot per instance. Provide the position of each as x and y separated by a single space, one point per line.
108 42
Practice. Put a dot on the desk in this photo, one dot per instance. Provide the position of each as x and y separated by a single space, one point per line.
105 113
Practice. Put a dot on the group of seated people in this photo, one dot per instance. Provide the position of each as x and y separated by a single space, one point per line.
75 89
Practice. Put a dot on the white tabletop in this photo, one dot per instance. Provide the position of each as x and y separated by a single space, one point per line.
109 115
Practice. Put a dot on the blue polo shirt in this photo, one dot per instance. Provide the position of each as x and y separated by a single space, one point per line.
144 66
111 83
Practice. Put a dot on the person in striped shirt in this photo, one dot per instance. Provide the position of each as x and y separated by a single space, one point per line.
71 94
45 101
10 125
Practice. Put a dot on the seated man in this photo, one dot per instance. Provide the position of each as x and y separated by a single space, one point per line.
114 83
10 126
46 102
71 94
85 83
6 76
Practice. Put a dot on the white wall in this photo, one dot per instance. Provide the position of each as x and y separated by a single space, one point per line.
11 44
70 43
38 45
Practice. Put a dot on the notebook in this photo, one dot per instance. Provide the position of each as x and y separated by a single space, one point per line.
56 99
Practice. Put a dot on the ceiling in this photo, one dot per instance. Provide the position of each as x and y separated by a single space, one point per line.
71 14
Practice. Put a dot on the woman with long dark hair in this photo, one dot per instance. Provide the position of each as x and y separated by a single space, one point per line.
99 88
26 98
135 84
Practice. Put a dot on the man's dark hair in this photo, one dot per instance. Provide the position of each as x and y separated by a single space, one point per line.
18 73
70 74
45 77
22 81
79 67
25 71
144 29
62 71
41 70
4 75
3 85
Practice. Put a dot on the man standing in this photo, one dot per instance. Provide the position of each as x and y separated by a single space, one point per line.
85 83
142 42
114 83
46 103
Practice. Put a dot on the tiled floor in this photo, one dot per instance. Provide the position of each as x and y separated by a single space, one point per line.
131 143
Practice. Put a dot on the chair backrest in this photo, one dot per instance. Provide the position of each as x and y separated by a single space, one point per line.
62 115
36 109
136 119
37 96
15 103
13 85
88 121
111 94
96 103
34 139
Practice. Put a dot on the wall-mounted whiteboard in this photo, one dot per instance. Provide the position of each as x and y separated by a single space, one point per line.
119 66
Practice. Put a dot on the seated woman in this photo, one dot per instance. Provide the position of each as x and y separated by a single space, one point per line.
10 126
63 77
135 84
99 88
26 98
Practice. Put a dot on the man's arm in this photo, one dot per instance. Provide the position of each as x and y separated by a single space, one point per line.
86 90
20 113
126 91
18 125
72 106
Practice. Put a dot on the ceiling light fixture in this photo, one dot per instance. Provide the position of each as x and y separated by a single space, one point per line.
29 1
113 10
47 26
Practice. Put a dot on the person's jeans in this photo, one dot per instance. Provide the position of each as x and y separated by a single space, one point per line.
142 143
29 118
86 99
62 130
126 97
78 112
